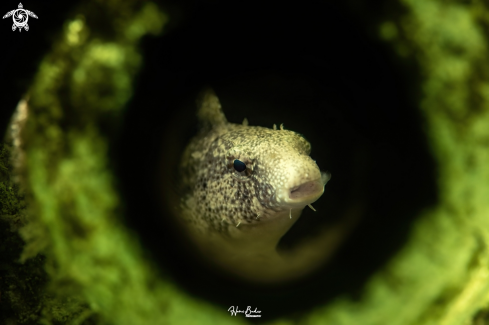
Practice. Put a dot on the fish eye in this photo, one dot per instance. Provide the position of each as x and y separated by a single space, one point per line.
239 165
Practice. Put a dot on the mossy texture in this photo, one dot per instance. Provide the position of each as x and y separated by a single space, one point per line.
21 284
442 275
97 270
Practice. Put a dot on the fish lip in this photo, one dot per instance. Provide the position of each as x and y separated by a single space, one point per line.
305 193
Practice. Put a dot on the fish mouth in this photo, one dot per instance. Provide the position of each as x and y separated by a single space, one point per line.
308 192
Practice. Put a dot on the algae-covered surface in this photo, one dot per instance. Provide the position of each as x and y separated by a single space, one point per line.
441 276
96 268
82 265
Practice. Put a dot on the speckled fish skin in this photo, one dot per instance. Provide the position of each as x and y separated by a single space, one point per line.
277 160
234 219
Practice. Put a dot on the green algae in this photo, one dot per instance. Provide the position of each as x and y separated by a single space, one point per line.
441 275
96 271
96 268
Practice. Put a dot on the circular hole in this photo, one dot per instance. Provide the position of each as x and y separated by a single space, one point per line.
348 99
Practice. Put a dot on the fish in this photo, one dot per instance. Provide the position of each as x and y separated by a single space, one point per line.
244 187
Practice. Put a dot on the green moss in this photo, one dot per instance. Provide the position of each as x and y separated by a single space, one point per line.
440 277
96 268
21 284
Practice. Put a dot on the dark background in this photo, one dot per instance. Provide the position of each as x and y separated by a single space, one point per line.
321 71
21 52
317 68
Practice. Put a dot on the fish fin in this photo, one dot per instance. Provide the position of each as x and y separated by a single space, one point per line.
209 109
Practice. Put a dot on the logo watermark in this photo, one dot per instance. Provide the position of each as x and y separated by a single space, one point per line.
248 312
20 17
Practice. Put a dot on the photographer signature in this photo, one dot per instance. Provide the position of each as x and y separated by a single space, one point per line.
248 312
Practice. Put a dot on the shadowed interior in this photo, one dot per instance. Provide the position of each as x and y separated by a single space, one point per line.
340 97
